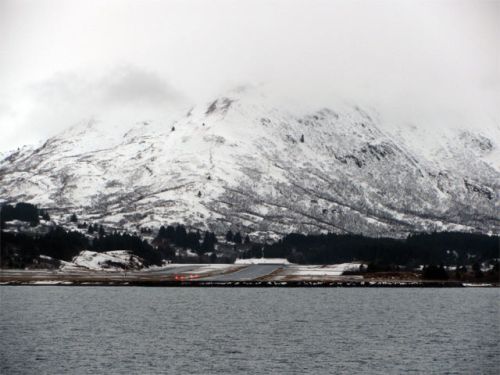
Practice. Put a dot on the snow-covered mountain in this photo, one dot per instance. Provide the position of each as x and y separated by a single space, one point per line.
240 162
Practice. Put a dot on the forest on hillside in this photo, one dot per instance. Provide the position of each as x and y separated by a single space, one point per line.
457 249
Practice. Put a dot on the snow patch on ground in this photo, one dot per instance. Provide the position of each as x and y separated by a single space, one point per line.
116 260
51 282
330 270
209 268
262 261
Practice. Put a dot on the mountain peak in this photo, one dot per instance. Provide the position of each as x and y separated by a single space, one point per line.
245 162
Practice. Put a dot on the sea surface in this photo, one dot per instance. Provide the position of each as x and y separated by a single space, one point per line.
137 330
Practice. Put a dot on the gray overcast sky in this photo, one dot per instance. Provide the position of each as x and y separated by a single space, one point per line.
435 62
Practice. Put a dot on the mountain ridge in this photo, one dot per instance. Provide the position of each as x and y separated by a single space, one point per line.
240 162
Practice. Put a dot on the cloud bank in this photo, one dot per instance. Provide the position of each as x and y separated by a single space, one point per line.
430 63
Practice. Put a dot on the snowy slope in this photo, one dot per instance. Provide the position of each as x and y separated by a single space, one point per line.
238 162
116 260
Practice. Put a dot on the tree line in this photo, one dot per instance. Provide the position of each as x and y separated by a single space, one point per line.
447 248
434 250
186 239
19 250
24 212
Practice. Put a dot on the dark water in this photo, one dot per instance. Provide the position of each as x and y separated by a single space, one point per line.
132 330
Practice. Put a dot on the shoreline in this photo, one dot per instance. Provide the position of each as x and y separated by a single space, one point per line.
254 284
234 276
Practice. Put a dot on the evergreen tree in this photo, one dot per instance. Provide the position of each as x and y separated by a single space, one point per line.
237 238
162 232
90 229
21 211
247 239
208 242
63 245
302 138
192 241
73 218
461 271
476 267
229 236
180 236
45 216
170 233
434 273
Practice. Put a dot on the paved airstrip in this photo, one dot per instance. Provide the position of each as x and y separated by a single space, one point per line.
207 275
173 272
